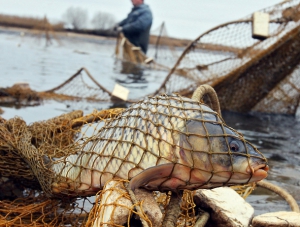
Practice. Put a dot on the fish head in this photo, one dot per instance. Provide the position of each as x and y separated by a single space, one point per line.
218 155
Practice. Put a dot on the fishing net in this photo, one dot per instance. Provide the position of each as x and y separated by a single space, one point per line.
60 164
128 52
23 202
247 73
162 53
81 85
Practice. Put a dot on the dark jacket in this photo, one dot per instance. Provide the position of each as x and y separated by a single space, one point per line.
136 27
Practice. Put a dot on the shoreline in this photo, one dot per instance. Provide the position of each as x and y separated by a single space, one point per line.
60 33
92 34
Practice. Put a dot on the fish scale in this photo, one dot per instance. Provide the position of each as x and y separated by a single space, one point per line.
158 139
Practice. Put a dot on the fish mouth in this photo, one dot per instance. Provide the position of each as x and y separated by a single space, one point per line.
258 172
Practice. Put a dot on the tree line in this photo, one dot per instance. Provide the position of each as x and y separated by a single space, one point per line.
77 18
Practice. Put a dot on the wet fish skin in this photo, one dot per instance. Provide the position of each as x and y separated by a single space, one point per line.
162 143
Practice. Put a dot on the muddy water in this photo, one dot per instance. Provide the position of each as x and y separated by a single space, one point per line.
28 58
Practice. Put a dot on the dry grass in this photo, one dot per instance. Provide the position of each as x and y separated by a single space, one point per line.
29 23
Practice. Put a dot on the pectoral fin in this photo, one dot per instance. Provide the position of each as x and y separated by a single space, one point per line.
151 174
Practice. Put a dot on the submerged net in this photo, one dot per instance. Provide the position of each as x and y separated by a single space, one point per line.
162 53
81 85
128 52
60 164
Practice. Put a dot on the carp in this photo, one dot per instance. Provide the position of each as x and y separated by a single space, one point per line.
161 143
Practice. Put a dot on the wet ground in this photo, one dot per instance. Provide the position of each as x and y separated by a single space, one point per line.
29 58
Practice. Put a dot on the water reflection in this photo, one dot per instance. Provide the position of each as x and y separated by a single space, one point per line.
118 104
134 73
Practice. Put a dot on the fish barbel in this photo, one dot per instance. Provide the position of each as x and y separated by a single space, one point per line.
162 143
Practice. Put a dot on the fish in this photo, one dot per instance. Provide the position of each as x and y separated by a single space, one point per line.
164 143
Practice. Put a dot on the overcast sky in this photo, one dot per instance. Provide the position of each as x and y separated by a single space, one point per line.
183 18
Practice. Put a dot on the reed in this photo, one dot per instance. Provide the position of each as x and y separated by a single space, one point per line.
29 22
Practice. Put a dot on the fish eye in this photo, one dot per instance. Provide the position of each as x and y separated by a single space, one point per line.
234 146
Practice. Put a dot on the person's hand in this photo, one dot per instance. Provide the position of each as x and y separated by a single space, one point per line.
119 29
114 28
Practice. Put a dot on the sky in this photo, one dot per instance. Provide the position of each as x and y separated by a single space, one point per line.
183 18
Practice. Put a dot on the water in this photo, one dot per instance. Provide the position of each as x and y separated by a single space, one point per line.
277 137
29 58
25 57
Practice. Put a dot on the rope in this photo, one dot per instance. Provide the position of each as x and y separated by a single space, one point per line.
173 212
211 93
284 194
202 220
135 201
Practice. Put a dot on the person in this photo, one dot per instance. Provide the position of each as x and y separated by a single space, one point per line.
136 27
